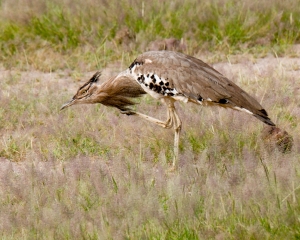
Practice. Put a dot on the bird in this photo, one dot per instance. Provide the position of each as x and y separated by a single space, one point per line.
169 77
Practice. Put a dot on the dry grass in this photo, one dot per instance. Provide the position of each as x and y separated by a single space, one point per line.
91 173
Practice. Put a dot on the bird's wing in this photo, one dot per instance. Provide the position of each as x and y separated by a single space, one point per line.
194 79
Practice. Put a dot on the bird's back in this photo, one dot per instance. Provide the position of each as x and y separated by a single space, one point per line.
185 78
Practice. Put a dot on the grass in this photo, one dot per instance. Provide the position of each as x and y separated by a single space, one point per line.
74 175
83 31
92 173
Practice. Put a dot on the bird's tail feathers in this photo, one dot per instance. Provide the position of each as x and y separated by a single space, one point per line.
263 116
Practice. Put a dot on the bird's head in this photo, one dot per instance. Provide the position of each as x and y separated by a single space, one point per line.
87 93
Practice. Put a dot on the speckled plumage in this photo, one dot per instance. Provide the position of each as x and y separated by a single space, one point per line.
169 77
189 79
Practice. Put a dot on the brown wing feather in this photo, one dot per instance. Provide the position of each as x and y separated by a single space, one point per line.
193 78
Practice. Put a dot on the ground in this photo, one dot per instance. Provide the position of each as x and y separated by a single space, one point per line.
90 171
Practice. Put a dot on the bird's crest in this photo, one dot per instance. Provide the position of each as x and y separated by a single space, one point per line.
94 79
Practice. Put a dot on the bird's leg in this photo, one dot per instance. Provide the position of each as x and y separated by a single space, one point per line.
166 124
177 127
172 121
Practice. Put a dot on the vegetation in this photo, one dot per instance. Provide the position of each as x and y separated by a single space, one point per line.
91 173
90 33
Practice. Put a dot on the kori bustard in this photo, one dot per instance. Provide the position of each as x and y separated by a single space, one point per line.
168 76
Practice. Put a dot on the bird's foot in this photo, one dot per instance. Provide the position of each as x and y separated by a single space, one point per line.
128 112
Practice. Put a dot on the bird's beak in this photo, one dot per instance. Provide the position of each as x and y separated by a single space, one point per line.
68 104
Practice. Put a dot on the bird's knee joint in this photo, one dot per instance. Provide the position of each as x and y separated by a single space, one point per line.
178 128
